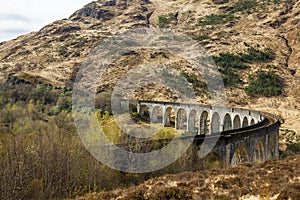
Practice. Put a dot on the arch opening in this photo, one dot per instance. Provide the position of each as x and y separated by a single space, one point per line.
204 123
170 117
245 122
240 155
236 122
227 123
145 113
157 115
181 120
252 122
259 155
193 122
215 123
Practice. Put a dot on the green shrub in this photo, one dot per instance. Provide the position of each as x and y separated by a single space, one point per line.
258 56
47 45
293 148
215 19
240 61
229 63
193 79
228 60
176 82
201 37
63 51
290 150
223 18
264 83
230 77
244 5
76 54
64 103
165 20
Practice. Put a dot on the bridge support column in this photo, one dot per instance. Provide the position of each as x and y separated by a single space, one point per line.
153 117
277 144
176 119
199 128
138 107
163 116
266 147
221 127
188 127
227 162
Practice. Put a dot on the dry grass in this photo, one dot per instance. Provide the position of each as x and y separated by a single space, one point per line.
269 180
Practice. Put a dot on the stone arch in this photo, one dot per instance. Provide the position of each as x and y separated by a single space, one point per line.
215 123
170 117
227 123
240 155
204 123
211 161
193 121
145 113
252 122
181 119
245 122
259 152
157 115
236 122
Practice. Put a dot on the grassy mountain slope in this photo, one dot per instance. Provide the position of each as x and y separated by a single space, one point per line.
55 53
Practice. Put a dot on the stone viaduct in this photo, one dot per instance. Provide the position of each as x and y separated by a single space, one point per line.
243 135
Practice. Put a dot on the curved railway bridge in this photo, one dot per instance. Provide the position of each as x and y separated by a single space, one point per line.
243 135
212 134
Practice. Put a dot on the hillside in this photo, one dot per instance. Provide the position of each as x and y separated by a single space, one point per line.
55 53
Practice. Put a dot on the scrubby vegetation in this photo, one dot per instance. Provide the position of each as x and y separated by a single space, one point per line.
201 37
180 83
63 51
230 77
244 6
165 20
199 86
228 60
264 83
229 63
270 180
215 19
292 149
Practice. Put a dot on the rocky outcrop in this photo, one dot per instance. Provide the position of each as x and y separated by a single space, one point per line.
93 10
